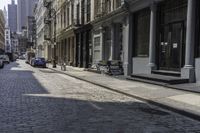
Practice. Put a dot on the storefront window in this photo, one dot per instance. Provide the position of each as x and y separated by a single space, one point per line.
97 48
141 33
197 41
172 11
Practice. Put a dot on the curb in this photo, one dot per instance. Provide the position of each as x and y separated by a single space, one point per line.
186 113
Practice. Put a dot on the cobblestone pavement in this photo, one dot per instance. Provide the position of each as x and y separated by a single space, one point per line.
35 100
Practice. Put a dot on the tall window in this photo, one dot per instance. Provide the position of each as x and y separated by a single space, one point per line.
61 19
64 16
82 11
141 33
97 8
67 16
72 13
88 10
97 48
77 13
108 6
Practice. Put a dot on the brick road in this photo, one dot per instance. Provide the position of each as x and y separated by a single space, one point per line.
34 100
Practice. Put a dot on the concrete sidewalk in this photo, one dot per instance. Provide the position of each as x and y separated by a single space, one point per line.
182 102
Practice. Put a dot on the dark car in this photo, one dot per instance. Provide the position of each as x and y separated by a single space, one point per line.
39 62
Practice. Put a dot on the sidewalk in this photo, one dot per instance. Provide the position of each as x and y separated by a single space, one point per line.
183 102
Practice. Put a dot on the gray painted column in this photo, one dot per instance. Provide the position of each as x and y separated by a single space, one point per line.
190 37
188 71
152 42
101 43
112 42
117 42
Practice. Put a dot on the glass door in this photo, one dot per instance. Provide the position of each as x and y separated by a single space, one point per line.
171 40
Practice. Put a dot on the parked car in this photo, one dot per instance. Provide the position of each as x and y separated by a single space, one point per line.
5 58
39 62
1 63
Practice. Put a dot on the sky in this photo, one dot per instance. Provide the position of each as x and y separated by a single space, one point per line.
5 3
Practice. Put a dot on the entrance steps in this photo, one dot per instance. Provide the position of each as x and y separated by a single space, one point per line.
158 79
167 73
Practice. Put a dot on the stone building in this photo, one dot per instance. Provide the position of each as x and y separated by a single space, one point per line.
22 41
8 45
43 46
108 16
162 38
2 31
25 8
31 32
150 38
83 33
65 32
12 16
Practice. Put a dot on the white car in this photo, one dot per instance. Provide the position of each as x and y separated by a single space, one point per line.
1 63
5 58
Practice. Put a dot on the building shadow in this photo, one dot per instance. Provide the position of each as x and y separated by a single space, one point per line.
26 106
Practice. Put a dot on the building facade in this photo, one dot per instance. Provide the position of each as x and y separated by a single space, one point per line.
148 37
162 37
42 46
65 31
2 32
108 18
31 31
12 16
22 41
8 46
83 34
14 43
25 8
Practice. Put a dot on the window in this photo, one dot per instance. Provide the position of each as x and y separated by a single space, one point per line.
77 15
197 40
82 11
141 33
72 13
108 6
97 9
68 16
97 52
97 41
117 3
88 10
64 16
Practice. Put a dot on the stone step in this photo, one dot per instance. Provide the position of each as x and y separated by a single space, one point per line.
166 73
159 79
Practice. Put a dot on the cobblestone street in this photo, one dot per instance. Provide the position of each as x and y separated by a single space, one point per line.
40 100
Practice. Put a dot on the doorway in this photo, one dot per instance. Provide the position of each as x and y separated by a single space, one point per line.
171 46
